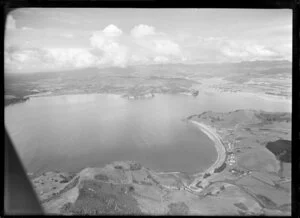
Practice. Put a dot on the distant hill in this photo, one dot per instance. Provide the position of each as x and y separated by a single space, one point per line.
128 69
155 78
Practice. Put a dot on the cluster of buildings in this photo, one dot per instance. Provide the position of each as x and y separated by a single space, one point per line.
231 160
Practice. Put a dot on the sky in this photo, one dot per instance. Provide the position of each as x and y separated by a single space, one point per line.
56 39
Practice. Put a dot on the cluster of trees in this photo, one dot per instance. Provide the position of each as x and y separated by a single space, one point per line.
206 175
282 149
221 168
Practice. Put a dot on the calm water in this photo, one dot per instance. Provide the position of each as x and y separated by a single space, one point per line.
71 132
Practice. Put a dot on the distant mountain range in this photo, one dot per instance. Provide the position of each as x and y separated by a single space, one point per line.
272 77
278 63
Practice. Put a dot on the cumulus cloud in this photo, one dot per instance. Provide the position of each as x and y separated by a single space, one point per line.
10 22
108 47
50 58
222 49
142 45
112 30
114 54
105 50
167 47
155 44
112 51
247 51
159 46
97 39
142 30
72 56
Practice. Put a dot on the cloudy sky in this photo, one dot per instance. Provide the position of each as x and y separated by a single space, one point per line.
40 39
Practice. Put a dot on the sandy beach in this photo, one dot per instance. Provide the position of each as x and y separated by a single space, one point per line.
211 133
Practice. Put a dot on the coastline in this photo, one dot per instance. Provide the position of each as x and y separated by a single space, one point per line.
220 148
221 156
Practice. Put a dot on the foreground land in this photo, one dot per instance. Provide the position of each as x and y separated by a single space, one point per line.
251 176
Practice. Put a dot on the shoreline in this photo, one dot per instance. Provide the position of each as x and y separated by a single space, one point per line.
217 141
220 148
